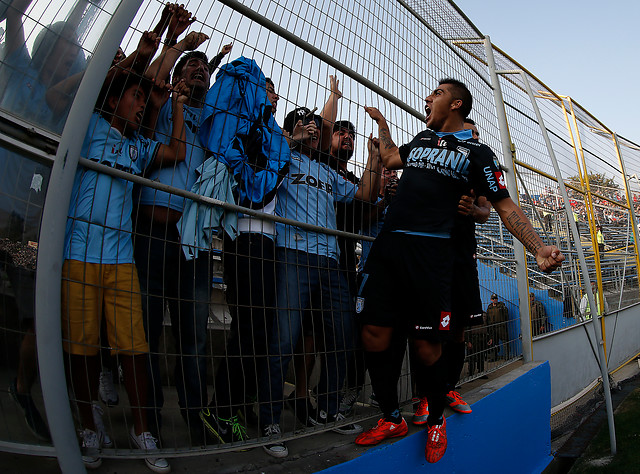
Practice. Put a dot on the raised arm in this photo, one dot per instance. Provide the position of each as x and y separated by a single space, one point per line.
389 152
180 20
330 112
165 16
370 181
217 59
15 29
176 150
162 65
548 257
139 59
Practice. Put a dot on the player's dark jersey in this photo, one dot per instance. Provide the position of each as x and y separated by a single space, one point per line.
438 170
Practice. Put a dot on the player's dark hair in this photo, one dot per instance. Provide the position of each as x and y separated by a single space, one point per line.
460 92
269 81
116 86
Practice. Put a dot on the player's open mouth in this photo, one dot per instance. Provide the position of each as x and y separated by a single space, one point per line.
427 112
139 116
198 76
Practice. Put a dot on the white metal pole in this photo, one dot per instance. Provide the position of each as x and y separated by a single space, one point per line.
518 248
595 318
48 277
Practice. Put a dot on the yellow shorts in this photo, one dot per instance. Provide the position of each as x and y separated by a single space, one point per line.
88 290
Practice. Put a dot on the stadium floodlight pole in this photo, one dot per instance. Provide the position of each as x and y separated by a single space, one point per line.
595 317
508 152
54 219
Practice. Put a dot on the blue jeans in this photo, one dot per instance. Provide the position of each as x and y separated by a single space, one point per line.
167 277
307 282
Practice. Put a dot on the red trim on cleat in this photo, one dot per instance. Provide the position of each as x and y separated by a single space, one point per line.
456 402
436 442
384 430
422 412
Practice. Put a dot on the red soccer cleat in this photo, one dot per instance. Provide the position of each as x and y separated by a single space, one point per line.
456 402
384 430
436 442
422 412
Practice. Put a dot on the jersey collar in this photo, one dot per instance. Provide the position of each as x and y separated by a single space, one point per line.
460 134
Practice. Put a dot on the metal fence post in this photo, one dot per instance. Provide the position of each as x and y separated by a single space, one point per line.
595 318
518 248
48 278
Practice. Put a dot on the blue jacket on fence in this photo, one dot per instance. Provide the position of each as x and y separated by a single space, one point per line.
240 130
201 222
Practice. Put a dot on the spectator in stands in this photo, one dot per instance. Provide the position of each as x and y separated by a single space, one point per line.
585 309
308 274
249 269
498 321
539 321
410 265
600 238
98 272
477 344
166 276
26 78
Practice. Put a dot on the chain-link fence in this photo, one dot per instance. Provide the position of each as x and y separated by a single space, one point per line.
203 296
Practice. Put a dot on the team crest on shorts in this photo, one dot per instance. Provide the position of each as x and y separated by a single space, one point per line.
445 320
359 304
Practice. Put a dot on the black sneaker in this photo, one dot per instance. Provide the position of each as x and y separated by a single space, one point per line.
278 449
222 429
31 414
302 408
350 429
317 417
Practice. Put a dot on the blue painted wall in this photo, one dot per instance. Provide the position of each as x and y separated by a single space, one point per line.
508 432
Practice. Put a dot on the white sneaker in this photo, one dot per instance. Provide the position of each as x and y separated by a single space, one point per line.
90 448
107 391
277 449
147 442
100 429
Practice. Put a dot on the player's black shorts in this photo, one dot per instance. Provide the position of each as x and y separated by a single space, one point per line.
407 284
466 304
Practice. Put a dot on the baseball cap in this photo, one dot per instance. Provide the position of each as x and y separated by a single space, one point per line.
494 296
344 124
299 113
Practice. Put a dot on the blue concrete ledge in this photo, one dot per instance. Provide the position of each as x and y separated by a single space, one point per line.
508 432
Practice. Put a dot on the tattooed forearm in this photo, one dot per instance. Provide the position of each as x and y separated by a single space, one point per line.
385 138
521 228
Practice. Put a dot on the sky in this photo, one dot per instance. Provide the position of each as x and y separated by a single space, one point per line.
584 49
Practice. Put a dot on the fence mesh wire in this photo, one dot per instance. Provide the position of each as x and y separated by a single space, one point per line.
175 336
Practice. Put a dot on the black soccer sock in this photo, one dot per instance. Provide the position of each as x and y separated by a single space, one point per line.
383 381
453 356
435 390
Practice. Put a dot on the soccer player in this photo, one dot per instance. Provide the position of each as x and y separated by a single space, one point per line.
408 286
466 311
